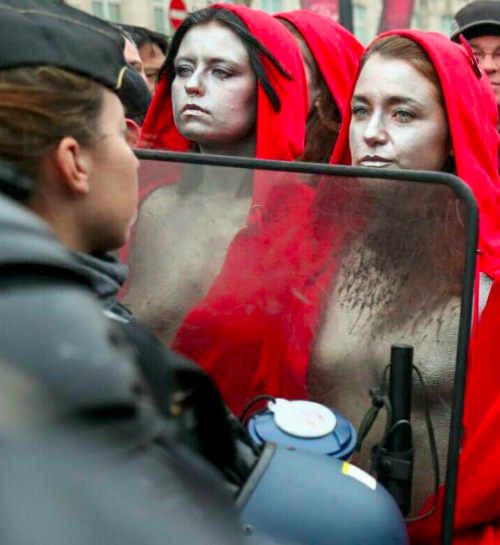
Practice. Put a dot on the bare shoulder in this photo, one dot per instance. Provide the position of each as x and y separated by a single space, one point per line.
158 202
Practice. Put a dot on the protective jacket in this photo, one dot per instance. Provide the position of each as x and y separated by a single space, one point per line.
106 275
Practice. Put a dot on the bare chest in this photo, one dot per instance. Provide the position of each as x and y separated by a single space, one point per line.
183 242
352 349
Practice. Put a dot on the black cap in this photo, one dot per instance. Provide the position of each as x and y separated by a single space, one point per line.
47 33
481 18
135 96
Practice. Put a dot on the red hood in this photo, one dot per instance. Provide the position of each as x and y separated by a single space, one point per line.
335 50
469 107
280 135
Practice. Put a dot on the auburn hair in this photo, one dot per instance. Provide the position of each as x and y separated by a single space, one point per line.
324 120
401 48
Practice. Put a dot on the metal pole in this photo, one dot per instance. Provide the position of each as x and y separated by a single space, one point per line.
395 458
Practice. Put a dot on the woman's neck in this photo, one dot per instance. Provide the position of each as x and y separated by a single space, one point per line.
242 148
233 183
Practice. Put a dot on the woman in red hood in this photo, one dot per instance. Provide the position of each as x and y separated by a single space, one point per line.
250 45
239 332
466 106
233 84
331 56
420 102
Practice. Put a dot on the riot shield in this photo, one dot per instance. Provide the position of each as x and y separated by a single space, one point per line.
295 280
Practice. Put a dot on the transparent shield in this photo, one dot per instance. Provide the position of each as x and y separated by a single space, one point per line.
297 284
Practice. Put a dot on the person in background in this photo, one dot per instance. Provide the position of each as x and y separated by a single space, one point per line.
152 48
133 58
479 23
331 54
131 51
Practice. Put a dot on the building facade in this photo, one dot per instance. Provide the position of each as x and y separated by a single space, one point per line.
147 13
430 15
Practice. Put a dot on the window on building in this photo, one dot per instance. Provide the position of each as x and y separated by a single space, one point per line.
98 9
272 6
360 29
107 9
415 21
446 22
114 13
159 19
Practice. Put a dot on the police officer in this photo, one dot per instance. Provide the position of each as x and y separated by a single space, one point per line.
479 22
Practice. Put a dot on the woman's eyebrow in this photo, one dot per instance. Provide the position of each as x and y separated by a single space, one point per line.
208 60
184 58
391 100
221 59
360 98
400 99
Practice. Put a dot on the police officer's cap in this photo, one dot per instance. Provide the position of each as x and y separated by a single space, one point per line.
481 18
45 32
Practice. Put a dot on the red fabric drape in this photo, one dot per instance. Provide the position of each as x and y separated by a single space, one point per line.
335 50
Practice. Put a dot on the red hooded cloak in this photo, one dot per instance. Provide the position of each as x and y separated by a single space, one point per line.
280 135
223 332
335 50
469 108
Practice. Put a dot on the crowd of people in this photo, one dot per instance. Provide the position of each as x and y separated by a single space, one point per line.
254 303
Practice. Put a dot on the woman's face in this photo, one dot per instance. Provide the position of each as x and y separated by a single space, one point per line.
214 93
397 119
113 180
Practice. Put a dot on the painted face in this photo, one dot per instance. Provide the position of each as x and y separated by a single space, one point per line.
152 59
113 195
397 119
487 50
214 93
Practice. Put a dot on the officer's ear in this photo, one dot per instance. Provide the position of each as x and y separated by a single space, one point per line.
133 133
73 164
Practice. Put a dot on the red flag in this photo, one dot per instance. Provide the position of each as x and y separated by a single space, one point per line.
327 8
396 14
